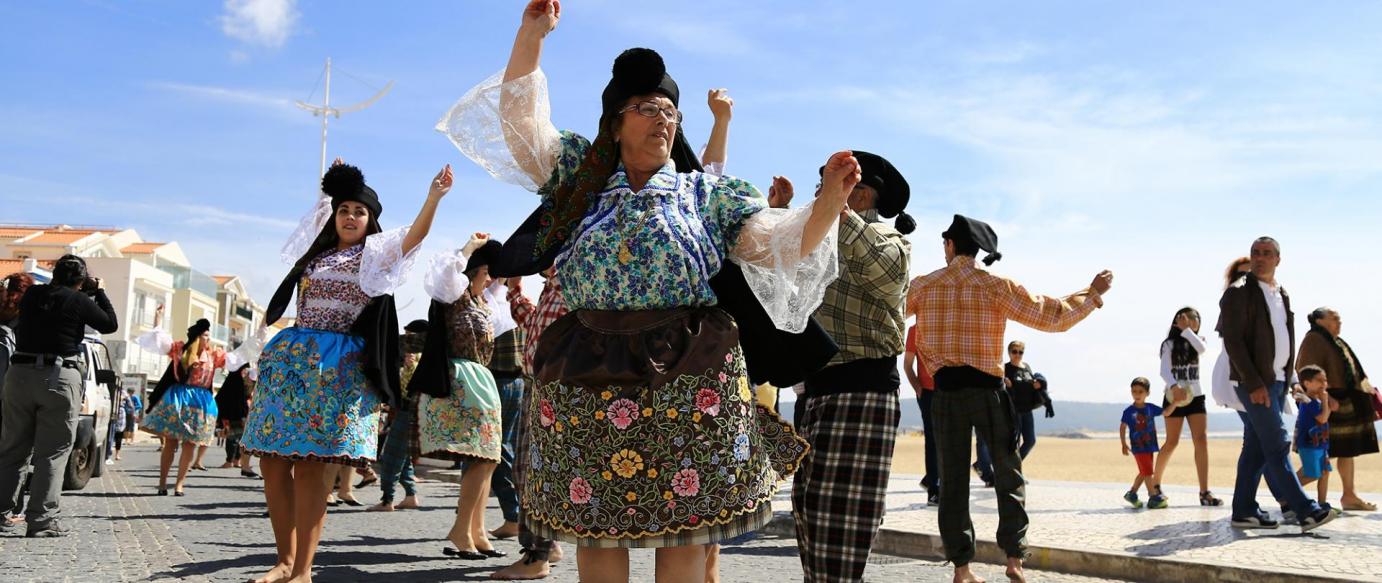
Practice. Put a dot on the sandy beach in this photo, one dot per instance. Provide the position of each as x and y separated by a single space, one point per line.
1101 460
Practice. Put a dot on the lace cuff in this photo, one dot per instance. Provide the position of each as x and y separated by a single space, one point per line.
445 280
506 128
501 313
157 341
383 266
308 228
790 287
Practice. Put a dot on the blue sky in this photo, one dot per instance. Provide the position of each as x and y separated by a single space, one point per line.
1156 141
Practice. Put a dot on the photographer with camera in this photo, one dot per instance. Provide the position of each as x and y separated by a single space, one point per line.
43 387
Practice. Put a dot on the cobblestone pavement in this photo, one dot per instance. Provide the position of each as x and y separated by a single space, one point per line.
1093 517
123 532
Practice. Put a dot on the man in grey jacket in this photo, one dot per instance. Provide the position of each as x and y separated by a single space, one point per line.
1255 322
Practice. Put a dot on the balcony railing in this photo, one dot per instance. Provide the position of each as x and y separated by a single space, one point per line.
188 278
221 333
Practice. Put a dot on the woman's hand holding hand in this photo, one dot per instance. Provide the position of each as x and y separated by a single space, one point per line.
842 172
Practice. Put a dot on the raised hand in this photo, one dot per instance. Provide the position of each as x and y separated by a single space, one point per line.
1102 282
780 193
441 184
842 172
721 104
541 16
476 241
337 162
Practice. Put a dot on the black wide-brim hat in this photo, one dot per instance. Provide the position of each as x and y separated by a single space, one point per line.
487 254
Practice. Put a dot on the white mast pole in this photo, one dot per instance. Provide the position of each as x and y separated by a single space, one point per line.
326 114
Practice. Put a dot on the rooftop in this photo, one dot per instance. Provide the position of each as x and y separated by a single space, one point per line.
139 248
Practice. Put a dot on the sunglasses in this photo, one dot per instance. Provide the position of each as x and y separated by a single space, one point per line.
1017 352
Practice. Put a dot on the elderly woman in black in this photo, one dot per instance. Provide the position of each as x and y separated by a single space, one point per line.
643 427
1351 429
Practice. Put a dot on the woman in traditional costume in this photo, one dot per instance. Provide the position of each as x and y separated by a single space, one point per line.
322 381
458 414
643 429
182 409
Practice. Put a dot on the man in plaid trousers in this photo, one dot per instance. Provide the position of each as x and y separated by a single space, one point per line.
962 311
849 410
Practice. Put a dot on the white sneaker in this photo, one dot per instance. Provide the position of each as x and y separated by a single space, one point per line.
110 462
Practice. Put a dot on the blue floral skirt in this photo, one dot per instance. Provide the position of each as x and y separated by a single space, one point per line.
313 401
468 424
185 413
643 432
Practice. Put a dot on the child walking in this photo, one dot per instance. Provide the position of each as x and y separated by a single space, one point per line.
1312 430
1139 419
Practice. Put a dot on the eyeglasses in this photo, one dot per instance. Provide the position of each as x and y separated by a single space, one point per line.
651 109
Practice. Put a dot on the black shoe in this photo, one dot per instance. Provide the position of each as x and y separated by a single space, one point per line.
493 553
933 497
7 527
50 530
464 555
250 474
179 493
367 481
351 502
162 491
1316 520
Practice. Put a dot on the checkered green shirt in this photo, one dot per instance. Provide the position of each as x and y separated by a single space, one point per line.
508 353
863 309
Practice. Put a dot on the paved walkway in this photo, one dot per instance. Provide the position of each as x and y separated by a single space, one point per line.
1087 528
121 531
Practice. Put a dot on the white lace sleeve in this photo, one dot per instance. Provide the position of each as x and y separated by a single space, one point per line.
384 267
308 228
507 129
789 286
445 280
501 314
157 341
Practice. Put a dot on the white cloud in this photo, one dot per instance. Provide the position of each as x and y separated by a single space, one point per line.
230 95
265 23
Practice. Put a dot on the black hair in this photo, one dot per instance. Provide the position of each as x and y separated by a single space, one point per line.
1181 350
69 271
1318 314
1142 382
965 247
1308 373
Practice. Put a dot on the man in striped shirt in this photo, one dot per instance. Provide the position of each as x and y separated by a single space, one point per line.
962 311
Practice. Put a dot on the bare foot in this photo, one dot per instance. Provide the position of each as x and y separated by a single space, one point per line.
1014 571
508 530
307 578
964 575
226 465
278 574
408 503
524 570
555 555
381 507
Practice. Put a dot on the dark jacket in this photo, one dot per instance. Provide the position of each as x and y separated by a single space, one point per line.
1245 324
1025 395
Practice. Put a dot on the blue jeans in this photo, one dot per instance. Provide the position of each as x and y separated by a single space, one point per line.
511 401
1026 429
1266 451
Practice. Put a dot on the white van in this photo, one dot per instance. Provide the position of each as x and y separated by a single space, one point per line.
94 423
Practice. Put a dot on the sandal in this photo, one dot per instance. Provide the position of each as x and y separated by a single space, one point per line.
1207 499
1361 505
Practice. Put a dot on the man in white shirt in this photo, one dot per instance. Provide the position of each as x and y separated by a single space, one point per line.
1255 322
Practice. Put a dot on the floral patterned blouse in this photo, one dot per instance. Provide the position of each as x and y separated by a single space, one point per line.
673 236
329 295
472 337
204 369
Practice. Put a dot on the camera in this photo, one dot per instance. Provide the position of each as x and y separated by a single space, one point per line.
90 285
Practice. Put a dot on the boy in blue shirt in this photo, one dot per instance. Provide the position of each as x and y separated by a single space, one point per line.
1312 430
1140 420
